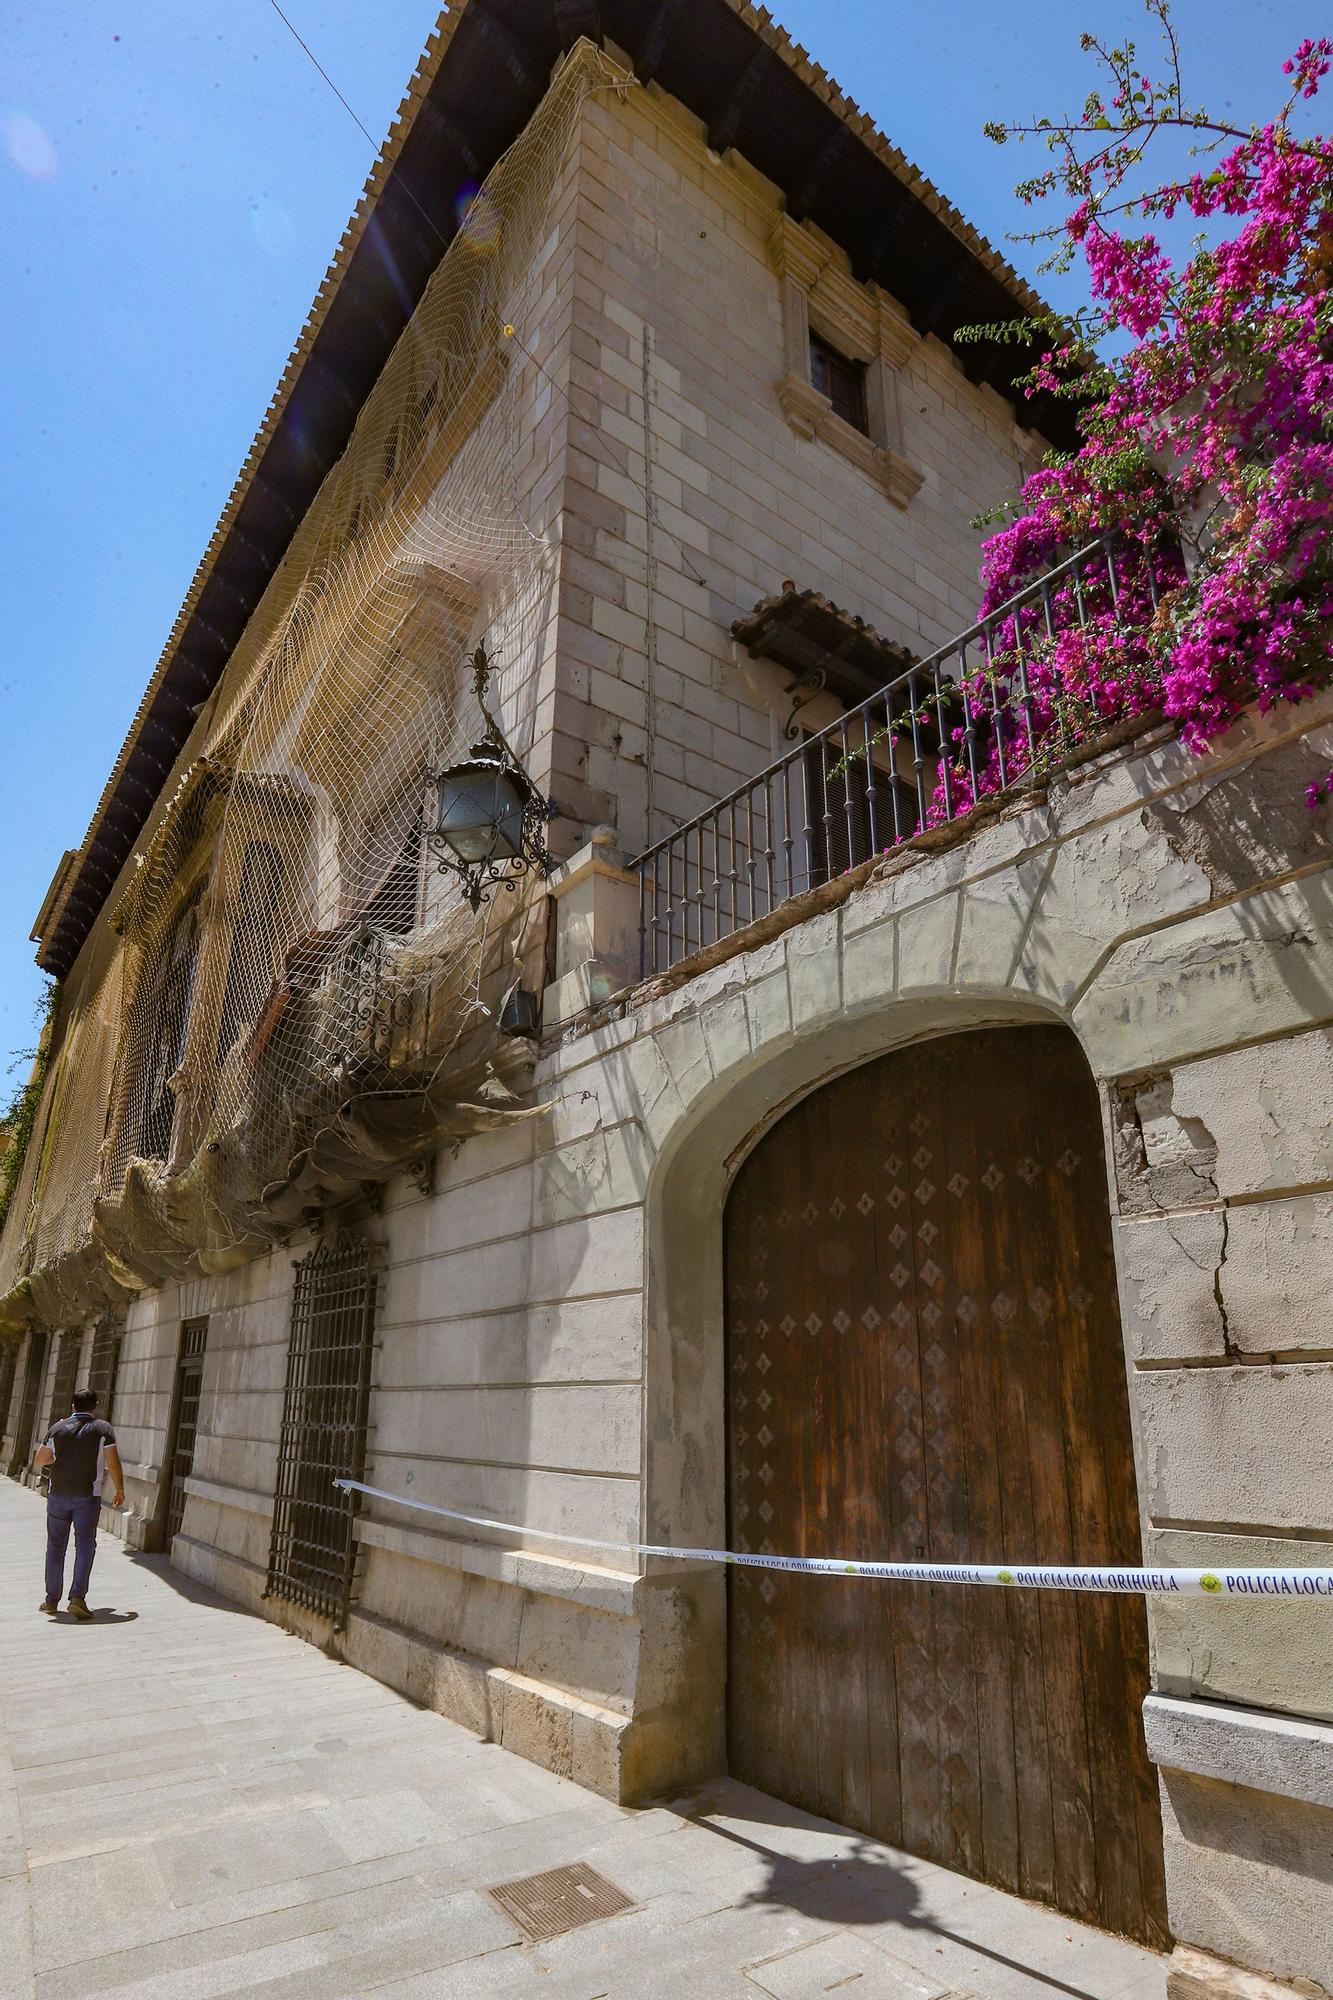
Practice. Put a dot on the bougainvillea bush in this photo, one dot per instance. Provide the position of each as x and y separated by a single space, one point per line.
1204 387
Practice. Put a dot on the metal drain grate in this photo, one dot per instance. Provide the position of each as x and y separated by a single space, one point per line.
560 1900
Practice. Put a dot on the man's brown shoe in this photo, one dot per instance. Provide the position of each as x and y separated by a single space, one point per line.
49 1605
78 1609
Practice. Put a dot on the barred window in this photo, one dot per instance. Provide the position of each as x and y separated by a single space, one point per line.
34 1369
104 1366
8 1371
185 1427
171 1022
253 958
312 1553
66 1377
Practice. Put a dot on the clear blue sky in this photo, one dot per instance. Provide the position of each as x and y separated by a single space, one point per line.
173 182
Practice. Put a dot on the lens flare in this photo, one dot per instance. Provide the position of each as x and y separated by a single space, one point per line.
29 145
274 230
480 223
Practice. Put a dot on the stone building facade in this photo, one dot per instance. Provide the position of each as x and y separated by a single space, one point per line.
548 1297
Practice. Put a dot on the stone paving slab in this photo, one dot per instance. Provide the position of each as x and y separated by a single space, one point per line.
194 1805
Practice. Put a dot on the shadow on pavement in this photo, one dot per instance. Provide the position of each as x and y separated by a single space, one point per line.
159 1564
106 1617
862 1885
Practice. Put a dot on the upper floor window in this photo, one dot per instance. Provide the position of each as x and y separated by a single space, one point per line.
842 380
386 889
167 1034
844 344
252 960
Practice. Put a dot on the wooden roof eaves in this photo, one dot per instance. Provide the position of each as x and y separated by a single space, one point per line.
432 56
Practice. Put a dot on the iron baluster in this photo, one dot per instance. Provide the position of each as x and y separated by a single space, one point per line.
872 789
918 757
751 855
993 679
671 903
942 725
1079 601
891 737
1024 691
1057 685
969 725
847 797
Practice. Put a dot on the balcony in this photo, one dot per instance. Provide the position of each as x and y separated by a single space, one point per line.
1000 705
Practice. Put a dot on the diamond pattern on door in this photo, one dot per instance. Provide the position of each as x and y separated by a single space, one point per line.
945 1379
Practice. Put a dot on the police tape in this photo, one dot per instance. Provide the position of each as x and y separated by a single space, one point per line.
1122 1582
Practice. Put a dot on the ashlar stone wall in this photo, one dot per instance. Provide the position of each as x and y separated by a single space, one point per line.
678 355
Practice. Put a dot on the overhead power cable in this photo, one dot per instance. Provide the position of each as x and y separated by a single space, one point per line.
510 331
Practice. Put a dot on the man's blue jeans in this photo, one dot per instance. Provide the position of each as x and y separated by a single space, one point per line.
63 1513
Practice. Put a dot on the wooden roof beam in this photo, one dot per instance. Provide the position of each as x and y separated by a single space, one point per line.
724 129
578 17
280 498
518 56
653 46
449 130
874 255
324 371
408 216
930 315
802 201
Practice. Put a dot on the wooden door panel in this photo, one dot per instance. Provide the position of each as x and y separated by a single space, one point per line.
925 1359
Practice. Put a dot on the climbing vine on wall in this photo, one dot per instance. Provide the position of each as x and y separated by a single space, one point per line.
19 1116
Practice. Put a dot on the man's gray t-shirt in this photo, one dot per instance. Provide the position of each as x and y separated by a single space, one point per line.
77 1442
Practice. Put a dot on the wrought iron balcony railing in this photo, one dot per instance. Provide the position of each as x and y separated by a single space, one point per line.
1008 697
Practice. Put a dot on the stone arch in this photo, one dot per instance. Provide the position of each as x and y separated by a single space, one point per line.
709 1082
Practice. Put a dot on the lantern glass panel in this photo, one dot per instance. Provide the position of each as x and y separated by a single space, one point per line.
480 814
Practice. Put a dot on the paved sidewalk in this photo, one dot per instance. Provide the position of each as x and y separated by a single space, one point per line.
193 1803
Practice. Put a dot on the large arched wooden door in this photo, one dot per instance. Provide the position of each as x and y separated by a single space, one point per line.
925 1360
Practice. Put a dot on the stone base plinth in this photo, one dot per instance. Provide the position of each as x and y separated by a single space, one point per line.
1197 1975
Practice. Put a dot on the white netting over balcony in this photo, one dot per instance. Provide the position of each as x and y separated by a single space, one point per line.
293 997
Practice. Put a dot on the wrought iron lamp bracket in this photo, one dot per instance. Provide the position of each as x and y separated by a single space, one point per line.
480 879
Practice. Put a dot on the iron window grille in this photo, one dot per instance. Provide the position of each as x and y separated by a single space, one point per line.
190 1382
33 1370
104 1365
8 1370
170 1027
66 1378
312 1553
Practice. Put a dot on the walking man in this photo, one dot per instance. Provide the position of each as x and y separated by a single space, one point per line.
76 1450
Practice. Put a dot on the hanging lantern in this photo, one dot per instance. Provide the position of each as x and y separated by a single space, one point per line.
489 816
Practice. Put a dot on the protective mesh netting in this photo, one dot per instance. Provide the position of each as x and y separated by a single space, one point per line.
292 998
